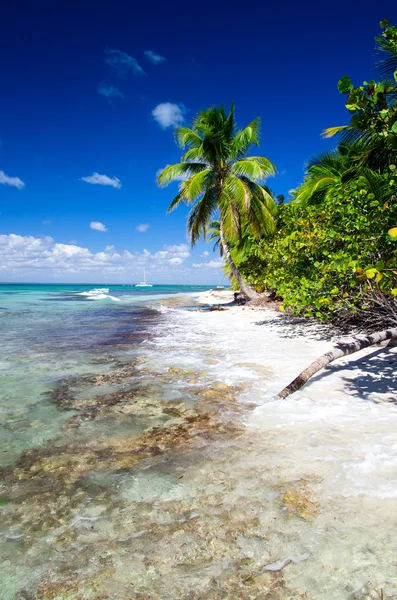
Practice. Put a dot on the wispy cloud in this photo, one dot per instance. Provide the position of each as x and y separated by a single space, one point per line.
212 264
98 179
156 59
12 181
47 222
109 91
122 62
98 226
168 114
142 227
205 254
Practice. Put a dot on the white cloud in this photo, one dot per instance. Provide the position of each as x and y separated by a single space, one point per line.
142 227
122 62
212 264
205 254
153 57
12 181
47 222
98 226
182 250
98 179
39 259
109 91
168 114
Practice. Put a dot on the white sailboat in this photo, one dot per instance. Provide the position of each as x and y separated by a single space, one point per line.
143 283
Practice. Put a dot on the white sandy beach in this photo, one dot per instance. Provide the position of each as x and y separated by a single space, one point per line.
335 442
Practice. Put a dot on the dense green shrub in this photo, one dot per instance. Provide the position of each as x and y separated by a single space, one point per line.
334 256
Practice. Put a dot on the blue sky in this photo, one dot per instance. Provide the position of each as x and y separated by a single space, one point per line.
89 96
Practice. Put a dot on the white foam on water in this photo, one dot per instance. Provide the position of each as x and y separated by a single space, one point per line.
339 432
98 294
339 416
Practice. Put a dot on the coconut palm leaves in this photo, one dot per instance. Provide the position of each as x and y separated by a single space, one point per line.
339 169
219 178
373 105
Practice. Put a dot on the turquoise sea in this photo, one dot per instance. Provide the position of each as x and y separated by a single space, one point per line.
51 332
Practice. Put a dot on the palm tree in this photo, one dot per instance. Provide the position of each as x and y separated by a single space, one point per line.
337 168
220 179
373 106
323 173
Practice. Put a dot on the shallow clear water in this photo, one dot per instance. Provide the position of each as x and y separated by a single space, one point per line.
52 332
144 455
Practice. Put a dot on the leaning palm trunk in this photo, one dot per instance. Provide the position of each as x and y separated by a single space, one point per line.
246 289
325 359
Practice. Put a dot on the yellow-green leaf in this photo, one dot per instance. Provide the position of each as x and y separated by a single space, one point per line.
370 273
392 233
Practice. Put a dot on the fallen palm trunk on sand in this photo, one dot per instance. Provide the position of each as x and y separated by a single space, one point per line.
342 350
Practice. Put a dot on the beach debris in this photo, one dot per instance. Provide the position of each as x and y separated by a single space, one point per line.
343 349
78 519
134 535
190 518
279 565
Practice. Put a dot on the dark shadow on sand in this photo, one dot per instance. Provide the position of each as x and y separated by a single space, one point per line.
380 375
290 327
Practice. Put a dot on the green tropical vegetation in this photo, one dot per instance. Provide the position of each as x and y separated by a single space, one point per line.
330 250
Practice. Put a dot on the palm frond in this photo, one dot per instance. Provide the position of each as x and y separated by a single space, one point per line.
246 137
179 171
261 219
237 190
257 168
314 189
229 215
179 199
387 48
262 209
195 186
193 155
200 216
187 137
332 131
214 234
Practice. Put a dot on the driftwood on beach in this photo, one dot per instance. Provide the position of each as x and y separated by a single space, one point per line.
342 350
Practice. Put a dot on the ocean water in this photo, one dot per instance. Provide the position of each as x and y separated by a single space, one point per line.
143 454
52 332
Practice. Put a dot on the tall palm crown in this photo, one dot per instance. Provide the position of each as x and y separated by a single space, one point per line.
219 178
